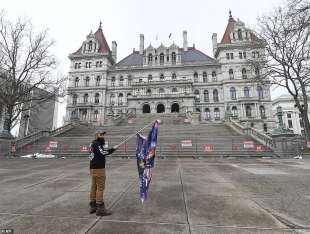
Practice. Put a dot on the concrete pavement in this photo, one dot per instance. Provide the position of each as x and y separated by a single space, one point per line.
186 196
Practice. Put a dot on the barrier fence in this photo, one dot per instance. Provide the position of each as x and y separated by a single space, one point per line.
183 148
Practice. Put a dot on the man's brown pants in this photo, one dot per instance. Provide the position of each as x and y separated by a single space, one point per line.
97 185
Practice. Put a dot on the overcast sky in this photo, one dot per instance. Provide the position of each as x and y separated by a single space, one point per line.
69 21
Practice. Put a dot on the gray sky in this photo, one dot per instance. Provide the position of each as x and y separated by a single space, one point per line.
69 21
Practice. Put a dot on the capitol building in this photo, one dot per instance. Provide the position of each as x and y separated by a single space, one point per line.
170 79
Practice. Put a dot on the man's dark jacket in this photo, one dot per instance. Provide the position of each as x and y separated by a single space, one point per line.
98 153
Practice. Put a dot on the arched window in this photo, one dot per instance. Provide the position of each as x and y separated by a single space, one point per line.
174 90
260 92
84 114
204 77
161 90
120 99
214 78
246 92
174 76
87 81
215 95
208 116
161 77
98 81
197 96
128 95
146 108
121 81
96 115
196 77
74 100
149 92
161 59
149 78
248 111
262 112
76 82
244 73
231 74
175 107
73 114
85 98
240 34
173 58
97 98
112 101
206 95
90 45
216 113
150 58
233 93
234 112
113 81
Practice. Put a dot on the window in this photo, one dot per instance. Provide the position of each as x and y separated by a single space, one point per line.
231 55
227 56
197 96
74 99
95 115
87 81
206 96
244 75
215 95
76 82
244 55
113 81
173 58
140 80
112 101
90 45
161 77
290 123
84 114
120 99
214 78
289 115
248 111
246 92
231 74
129 80
161 90
148 92
256 71
149 78
208 116
97 98
174 90
262 112
240 55
301 122
233 93
216 114
234 112
85 98
260 92
98 81
195 77
239 34
265 127
150 58
174 76
161 59
255 54
121 81
204 77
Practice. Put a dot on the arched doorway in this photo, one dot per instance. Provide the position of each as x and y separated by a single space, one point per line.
175 107
146 108
160 108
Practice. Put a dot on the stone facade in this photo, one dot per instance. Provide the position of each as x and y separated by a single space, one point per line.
170 79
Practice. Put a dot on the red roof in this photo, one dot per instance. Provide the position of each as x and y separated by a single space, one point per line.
229 29
103 45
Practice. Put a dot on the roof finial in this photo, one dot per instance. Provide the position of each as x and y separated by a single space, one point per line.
230 16
100 25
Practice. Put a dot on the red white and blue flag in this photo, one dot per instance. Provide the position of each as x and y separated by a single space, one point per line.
145 153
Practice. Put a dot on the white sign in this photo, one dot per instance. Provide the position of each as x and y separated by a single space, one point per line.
186 143
248 144
53 144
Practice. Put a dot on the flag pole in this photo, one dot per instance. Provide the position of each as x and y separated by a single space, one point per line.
131 136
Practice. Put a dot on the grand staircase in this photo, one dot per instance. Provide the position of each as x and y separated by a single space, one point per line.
175 139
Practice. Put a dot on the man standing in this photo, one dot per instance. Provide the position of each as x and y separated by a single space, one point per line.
97 173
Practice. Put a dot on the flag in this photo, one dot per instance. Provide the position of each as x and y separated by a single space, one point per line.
145 153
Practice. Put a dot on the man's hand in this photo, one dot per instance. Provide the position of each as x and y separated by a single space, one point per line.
115 147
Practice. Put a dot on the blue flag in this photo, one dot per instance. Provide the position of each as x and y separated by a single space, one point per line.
145 153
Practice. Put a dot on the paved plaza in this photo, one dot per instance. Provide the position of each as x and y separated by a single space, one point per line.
186 196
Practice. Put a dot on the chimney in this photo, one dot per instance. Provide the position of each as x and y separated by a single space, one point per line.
214 42
185 40
141 47
114 50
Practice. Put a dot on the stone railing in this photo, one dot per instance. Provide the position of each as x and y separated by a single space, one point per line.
62 129
259 136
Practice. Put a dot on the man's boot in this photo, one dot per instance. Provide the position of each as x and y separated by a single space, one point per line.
102 211
93 207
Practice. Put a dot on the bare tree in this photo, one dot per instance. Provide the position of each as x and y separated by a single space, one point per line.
26 64
286 62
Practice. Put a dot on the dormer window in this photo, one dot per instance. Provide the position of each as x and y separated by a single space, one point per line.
173 57
90 46
150 58
161 59
240 34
